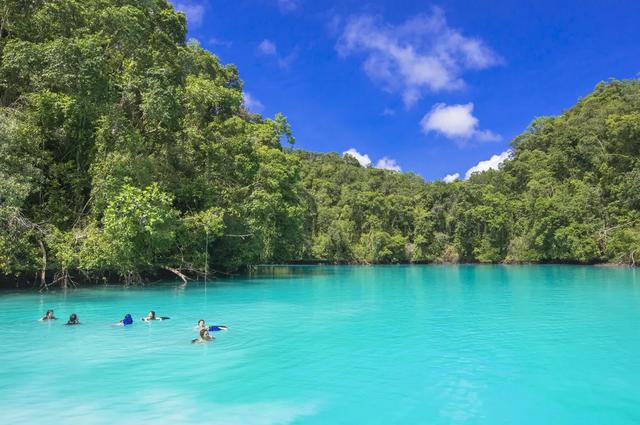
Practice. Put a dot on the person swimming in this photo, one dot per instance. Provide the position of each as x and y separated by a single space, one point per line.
204 337
127 320
214 328
73 320
49 316
152 316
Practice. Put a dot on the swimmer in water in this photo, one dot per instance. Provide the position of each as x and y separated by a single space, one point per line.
126 321
73 320
202 325
49 316
204 337
152 316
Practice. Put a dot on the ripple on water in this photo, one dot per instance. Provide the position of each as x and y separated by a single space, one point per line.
317 345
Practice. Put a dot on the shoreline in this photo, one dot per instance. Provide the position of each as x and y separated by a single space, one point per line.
161 275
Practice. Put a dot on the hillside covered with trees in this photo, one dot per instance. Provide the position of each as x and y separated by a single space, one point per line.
126 150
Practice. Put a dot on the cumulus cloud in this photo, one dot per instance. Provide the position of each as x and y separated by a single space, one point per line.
364 160
450 178
252 104
456 122
267 47
193 10
423 54
287 6
388 164
490 164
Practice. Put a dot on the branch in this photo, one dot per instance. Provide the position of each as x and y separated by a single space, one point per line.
178 273
239 236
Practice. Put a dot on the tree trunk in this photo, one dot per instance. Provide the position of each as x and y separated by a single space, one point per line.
43 271
178 273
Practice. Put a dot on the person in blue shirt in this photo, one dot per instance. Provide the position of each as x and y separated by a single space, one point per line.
126 321
214 328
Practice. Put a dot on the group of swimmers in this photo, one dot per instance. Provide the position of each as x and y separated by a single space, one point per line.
203 329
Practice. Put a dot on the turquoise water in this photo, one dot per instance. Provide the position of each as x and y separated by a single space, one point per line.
334 345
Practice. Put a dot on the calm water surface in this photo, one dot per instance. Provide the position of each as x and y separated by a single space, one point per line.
334 345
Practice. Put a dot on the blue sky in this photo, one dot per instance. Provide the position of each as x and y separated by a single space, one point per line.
435 88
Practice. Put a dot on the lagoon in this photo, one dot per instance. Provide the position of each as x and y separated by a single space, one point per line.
428 344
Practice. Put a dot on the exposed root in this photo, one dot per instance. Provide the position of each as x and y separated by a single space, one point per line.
64 278
131 278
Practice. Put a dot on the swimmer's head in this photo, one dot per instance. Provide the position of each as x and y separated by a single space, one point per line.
204 333
49 313
73 317
201 323
152 314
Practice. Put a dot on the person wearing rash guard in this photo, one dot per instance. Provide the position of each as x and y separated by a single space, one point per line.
73 320
126 321
201 325
152 316
204 337
49 316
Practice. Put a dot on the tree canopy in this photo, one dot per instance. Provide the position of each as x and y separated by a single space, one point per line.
126 149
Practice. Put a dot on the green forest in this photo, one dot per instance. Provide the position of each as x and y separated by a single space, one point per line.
126 151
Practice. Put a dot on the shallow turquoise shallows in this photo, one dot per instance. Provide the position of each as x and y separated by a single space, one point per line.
334 345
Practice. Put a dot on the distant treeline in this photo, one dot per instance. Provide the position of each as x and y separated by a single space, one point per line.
126 150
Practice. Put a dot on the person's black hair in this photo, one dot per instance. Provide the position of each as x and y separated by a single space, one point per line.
73 319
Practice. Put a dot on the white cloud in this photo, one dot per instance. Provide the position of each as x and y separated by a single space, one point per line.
286 6
252 104
450 178
491 164
422 54
388 164
220 42
267 47
364 160
192 9
388 112
286 61
384 163
455 122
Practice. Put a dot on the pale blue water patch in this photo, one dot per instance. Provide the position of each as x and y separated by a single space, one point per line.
334 345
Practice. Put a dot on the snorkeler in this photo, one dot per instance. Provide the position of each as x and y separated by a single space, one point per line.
214 328
49 316
204 337
126 321
152 316
73 320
